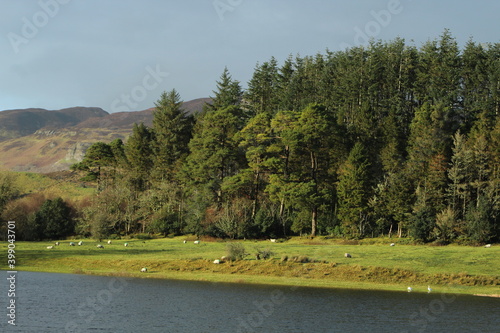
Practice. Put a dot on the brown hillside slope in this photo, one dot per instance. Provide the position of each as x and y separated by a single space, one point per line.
55 147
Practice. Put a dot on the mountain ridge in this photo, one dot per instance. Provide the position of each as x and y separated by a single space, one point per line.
42 141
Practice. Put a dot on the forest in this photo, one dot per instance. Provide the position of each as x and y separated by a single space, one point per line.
387 139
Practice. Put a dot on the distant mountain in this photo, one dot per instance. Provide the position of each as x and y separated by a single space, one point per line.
39 140
17 123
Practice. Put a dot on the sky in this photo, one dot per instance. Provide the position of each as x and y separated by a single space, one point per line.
120 55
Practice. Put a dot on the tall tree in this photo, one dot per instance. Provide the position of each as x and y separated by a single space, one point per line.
228 93
353 192
139 154
172 129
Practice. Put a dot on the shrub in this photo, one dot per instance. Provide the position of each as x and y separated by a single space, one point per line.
264 254
235 251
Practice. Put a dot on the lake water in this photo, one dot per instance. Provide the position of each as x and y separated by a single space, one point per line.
78 303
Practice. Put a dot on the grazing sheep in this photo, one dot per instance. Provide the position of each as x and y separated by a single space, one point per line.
71 244
144 270
56 244
392 244
197 242
126 244
487 245
410 289
216 261
273 240
347 255
429 289
100 246
50 247
185 241
109 242
80 243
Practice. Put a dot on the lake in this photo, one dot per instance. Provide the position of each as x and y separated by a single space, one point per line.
47 302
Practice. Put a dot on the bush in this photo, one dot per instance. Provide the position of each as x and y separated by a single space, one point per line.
264 254
235 251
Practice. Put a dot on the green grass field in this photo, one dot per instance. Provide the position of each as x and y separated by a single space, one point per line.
320 263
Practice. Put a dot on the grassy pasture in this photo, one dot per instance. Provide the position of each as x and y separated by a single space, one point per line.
319 262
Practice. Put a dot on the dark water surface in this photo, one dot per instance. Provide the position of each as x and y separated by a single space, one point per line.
48 302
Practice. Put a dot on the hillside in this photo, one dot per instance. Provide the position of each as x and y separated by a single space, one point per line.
39 140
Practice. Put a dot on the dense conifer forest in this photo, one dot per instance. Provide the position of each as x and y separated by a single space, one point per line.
386 139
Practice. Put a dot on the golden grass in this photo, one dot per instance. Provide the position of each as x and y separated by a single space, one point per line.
472 270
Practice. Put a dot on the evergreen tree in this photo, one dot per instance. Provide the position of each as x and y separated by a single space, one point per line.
172 129
53 220
228 93
353 192
139 154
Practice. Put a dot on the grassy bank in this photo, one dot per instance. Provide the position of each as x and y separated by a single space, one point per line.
318 263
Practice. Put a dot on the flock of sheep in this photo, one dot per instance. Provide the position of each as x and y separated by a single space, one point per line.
80 243
145 269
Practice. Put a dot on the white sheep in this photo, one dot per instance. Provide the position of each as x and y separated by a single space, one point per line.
347 255
99 246
410 289
126 244
109 242
56 244
197 242
80 243
273 240
50 247
487 245
71 244
392 244
185 241
216 261
144 270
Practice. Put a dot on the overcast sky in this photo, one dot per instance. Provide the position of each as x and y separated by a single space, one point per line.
121 54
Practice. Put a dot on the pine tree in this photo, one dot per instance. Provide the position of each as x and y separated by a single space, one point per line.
353 192
139 154
172 129
228 93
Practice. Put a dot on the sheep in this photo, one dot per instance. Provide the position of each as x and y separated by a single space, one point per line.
216 261
109 242
99 246
71 244
126 244
56 244
410 289
392 244
80 243
487 245
197 242
185 241
429 289
50 247
144 270
273 240
347 255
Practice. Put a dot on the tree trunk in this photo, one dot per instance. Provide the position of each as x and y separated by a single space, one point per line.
314 221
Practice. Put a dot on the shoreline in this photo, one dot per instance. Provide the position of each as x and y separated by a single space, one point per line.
292 282
298 262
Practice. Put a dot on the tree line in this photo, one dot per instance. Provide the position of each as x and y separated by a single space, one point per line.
388 139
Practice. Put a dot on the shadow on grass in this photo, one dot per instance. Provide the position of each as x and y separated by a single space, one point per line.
59 254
